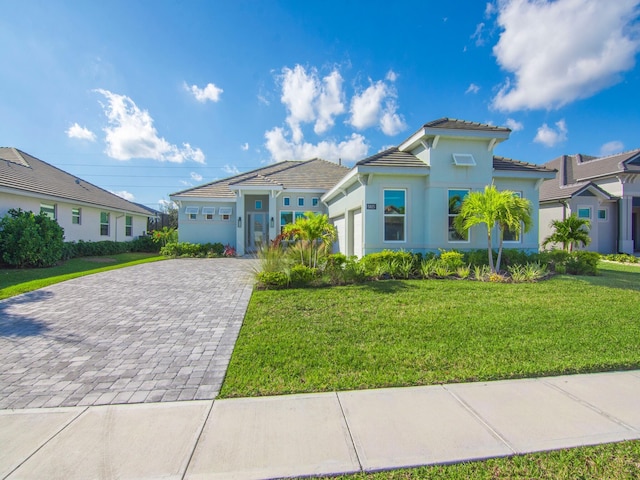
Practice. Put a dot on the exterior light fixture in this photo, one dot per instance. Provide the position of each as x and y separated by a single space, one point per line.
273 222
239 222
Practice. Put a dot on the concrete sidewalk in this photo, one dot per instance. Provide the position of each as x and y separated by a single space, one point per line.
320 434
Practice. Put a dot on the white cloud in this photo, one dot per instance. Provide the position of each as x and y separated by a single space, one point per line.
131 134
611 148
329 102
245 146
376 106
299 90
83 133
477 35
230 169
391 76
124 194
185 183
262 99
166 204
551 137
210 92
351 149
514 125
473 88
562 51
196 177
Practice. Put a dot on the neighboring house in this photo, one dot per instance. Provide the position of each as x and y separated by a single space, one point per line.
250 209
405 197
84 211
603 190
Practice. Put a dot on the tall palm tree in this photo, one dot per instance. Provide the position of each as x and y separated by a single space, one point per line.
570 232
493 208
314 232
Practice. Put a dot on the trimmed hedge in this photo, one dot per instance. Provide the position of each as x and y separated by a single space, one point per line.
196 250
108 247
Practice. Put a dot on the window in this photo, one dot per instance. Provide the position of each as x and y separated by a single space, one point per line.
128 226
510 236
285 218
191 212
584 212
225 213
286 201
258 204
455 199
301 201
48 210
315 201
299 215
464 160
104 223
394 215
208 212
75 216
602 214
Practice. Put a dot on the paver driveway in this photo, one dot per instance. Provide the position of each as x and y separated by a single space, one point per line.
155 332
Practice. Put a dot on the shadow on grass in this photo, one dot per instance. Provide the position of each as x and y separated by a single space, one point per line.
16 325
387 286
611 278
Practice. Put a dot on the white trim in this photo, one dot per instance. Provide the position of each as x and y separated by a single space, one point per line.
606 214
404 215
464 160
191 210
585 207
208 210
225 210
449 215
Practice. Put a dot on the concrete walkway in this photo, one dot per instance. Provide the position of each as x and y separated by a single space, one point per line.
155 332
319 434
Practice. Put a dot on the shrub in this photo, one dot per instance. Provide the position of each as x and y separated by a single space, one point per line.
354 271
29 240
476 258
481 273
463 272
144 244
621 257
513 256
452 259
555 259
301 275
388 263
583 263
272 279
427 267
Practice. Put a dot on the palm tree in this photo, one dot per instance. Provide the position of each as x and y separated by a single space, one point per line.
570 232
315 234
494 208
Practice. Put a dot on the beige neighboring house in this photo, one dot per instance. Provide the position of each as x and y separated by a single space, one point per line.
84 211
603 190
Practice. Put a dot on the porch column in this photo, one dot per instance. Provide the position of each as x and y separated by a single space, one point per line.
273 226
625 222
239 223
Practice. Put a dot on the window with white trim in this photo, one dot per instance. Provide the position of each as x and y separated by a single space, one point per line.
455 199
298 215
464 160
191 212
104 223
602 215
584 212
315 201
208 212
511 236
225 213
258 204
76 216
285 219
395 203
128 226
301 201
286 201
49 210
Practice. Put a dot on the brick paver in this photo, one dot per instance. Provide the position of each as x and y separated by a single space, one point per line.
155 332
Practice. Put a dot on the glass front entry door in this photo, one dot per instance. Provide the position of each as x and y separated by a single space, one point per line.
257 233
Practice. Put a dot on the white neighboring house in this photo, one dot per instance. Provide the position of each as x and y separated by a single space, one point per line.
603 190
405 197
84 211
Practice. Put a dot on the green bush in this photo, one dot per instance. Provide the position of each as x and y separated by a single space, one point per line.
583 263
451 259
269 280
621 257
389 263
29 240
144 244
194 250
301 275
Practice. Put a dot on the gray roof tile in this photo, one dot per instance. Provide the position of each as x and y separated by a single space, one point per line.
392 157
503 163
455 124
21 171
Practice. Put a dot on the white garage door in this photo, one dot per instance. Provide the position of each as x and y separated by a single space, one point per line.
357 233
339 245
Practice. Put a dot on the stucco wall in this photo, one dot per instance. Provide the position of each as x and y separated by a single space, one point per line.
202 230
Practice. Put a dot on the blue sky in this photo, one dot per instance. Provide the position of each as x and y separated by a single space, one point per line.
145 98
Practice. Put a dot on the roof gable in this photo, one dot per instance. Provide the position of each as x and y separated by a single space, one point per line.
23 172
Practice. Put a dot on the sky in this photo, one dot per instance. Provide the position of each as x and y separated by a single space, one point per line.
148 97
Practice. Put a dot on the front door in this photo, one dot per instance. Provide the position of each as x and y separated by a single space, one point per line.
257 233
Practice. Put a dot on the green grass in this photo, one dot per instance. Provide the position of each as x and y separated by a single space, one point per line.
17 281
615 461
399 333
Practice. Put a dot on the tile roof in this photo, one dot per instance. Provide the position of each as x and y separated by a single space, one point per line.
575 172
290 175
503 163
392 157
455 124
21 171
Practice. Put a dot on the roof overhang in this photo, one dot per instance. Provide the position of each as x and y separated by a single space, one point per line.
523 174
186 198
430 136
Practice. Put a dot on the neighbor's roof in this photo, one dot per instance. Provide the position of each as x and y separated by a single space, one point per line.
21 171
575 172
455 124
288 175
509 164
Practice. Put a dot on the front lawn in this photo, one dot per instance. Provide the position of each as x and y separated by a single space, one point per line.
16 281
399 333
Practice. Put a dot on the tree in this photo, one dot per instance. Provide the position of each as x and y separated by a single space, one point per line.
315 234
493 208
570 232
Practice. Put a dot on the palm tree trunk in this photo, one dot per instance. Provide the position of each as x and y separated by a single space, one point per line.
493 270
500 243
